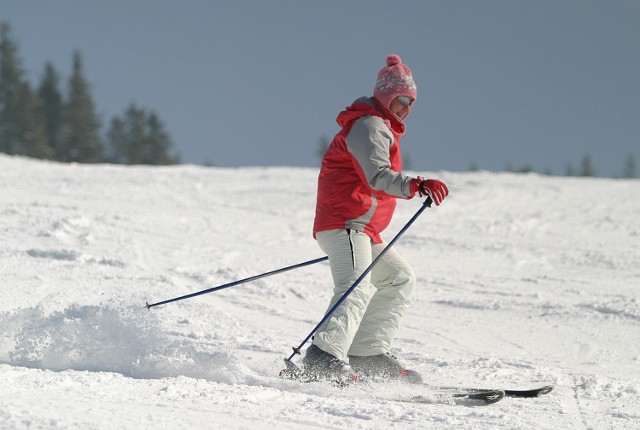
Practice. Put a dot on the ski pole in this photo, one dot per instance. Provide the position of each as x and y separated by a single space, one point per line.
296 350
241 281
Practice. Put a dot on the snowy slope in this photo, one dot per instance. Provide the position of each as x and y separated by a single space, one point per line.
522 279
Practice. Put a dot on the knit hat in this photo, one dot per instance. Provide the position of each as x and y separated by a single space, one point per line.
393 81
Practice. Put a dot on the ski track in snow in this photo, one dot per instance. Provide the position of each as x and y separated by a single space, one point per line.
522 280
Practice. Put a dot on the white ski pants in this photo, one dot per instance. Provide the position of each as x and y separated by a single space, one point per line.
364 324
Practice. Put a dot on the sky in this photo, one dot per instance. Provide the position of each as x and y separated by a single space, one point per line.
501 83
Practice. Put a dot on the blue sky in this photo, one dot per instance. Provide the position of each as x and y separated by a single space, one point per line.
258 83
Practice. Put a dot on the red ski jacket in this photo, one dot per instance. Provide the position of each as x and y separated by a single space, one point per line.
361 174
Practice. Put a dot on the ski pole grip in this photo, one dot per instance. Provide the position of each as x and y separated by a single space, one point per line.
428 201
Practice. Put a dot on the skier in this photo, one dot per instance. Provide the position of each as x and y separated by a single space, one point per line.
360 179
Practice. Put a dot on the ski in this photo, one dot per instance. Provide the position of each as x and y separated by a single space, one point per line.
468 398
522 393
472 396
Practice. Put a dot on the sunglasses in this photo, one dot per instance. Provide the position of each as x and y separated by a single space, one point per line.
405 101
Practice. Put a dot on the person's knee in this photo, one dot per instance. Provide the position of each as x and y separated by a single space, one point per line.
409 279
406 281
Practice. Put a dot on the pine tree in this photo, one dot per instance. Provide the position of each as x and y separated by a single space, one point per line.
407 163
21 126
629 166
323 146
131 150
140 138
587 167
51 109
11 74
116 141
30 125
81 130
158 143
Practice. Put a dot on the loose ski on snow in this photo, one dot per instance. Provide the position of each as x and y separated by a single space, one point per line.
533 392
477 395
461 397
487 397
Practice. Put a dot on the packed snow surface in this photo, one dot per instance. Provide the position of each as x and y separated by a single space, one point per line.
523 280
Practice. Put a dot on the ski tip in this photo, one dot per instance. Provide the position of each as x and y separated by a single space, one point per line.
291 371
546 390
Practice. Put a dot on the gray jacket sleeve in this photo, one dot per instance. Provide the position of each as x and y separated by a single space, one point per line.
369 141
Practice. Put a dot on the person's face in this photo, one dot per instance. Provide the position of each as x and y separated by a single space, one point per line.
401 106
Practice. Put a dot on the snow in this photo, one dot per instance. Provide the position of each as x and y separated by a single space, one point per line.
522 280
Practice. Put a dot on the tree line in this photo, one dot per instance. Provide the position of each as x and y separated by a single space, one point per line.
43 123
585 168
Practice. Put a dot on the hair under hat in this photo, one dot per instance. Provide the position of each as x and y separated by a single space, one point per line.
393 81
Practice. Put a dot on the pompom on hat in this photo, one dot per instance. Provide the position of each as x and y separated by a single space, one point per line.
393 81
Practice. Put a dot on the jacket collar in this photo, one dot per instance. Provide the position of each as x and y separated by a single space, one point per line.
369 106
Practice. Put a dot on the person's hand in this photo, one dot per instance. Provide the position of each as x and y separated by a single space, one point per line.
433 188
